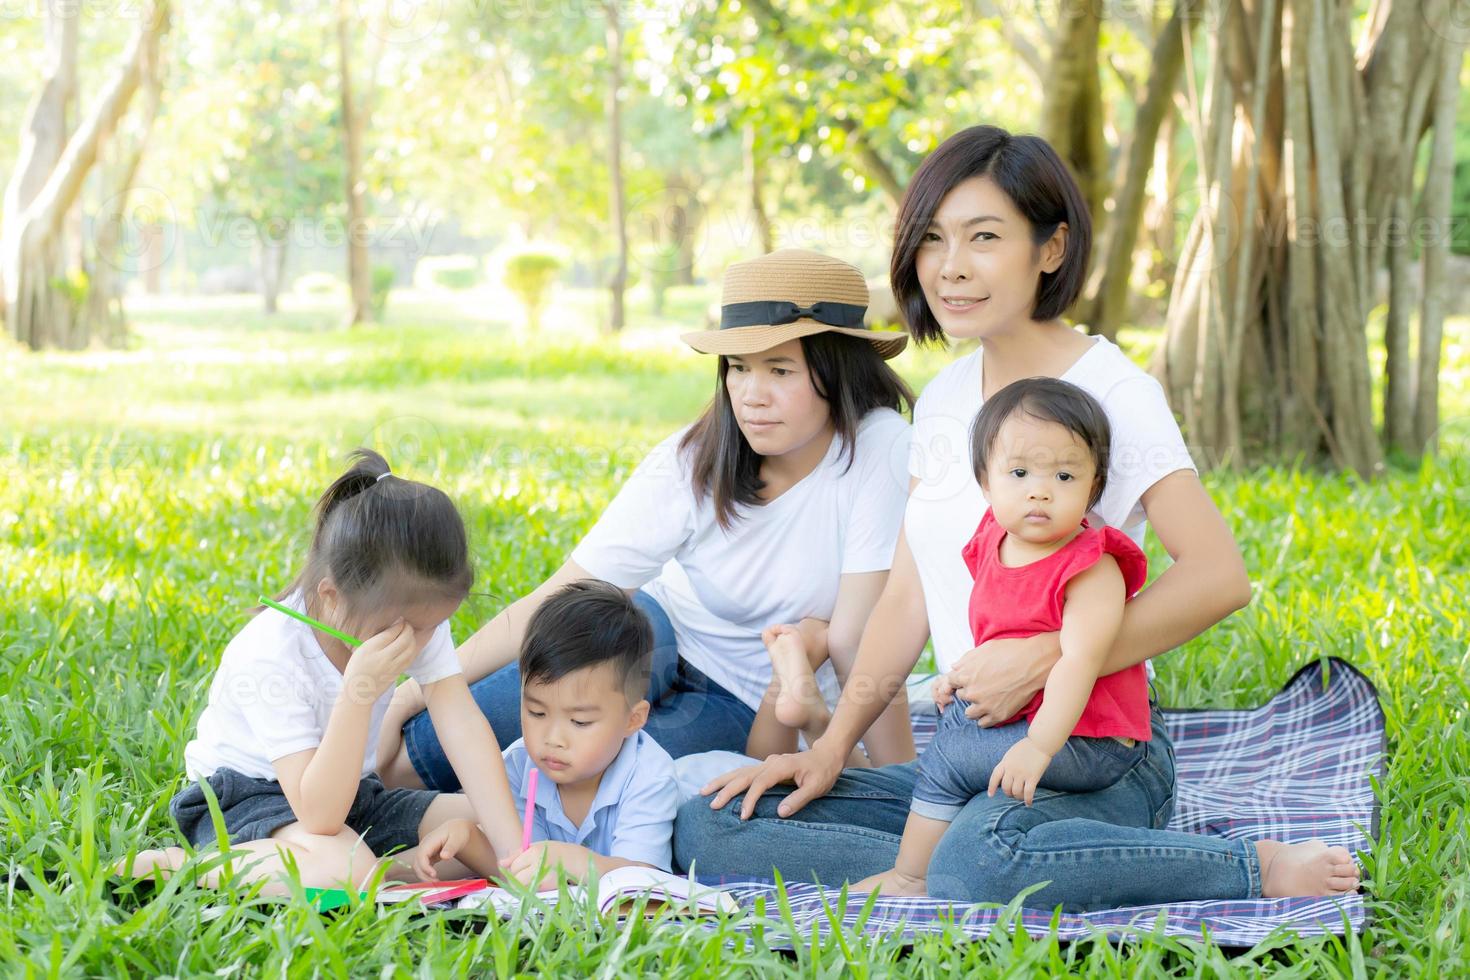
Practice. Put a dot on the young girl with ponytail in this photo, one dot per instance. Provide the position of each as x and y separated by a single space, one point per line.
288 739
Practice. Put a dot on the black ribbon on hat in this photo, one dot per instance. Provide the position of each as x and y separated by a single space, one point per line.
773 312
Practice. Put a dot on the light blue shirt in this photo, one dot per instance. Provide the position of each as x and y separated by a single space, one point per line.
632 815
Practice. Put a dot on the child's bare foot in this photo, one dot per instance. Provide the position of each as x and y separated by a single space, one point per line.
798 700
145 863
893 882
1312 868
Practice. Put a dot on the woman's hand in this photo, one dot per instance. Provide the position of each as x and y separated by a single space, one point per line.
813 771
1000 677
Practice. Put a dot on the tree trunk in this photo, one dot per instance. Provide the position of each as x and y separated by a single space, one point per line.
46 129
1393 163
39 293
154 256
1109 290
1305 207
1437 198
104 317
1398 383
1301 427
755 189
42 141
685 217
1160 212
619 281
271 255
1071 116
359 271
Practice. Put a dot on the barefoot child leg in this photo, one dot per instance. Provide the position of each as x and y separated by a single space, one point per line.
793 702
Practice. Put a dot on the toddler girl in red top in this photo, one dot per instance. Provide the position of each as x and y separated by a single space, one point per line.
1040 450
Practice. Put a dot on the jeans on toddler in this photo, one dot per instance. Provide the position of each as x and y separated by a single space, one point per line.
956 766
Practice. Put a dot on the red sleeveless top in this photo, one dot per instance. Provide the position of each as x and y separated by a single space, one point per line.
1011 602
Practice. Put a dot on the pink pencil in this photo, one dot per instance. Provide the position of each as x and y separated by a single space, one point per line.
530 811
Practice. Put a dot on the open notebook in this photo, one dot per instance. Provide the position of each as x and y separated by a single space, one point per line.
618 890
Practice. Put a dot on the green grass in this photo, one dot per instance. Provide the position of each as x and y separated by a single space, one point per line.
148 495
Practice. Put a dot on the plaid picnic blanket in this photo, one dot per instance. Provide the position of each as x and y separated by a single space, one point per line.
1297 767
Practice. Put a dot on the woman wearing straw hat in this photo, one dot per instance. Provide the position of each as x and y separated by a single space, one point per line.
991 243
779 505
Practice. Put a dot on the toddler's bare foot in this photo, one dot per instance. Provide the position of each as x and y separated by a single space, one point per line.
893 882
798 701
145 863
1312 868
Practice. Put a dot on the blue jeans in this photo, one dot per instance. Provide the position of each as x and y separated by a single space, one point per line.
690 712
1092 850
956 766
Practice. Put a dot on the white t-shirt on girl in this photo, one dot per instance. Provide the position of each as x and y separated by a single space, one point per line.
946 505
779 563
274 691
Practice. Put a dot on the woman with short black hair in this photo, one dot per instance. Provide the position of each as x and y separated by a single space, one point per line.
991 243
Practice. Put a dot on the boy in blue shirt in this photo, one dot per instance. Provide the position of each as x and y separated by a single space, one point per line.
607 793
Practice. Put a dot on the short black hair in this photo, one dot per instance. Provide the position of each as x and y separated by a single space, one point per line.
1033 176
1051 400
584 624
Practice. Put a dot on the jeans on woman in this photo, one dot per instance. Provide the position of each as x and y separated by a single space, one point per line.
690 713
1088 850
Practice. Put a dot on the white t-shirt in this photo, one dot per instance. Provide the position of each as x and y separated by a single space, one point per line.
779 563
946 505
274 692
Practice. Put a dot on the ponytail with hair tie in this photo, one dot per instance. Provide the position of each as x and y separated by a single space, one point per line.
366 542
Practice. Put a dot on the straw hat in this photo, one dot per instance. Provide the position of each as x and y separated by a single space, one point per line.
787 294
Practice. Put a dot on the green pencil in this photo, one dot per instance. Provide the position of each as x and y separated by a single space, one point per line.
349 640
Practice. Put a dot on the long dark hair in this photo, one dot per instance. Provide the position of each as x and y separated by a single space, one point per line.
375 531
1050 400
1029 172
847 374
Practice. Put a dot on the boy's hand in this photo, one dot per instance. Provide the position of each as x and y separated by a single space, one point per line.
1020 770
441 844
375 666
571 858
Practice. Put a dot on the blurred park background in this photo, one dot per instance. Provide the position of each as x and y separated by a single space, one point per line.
238 239
1281 188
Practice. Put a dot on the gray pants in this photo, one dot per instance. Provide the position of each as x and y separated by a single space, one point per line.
253 809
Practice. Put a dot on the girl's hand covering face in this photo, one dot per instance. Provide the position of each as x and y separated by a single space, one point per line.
376 665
